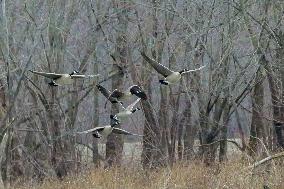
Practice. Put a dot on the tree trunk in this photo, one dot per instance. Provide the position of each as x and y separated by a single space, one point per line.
164 126
173 133
256 129
224 135
209 152
96 118
190 131
114 145
279 128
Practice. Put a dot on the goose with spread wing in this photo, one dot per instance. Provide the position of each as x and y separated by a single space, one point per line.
126 112
171 77
104 131
117 96
62 79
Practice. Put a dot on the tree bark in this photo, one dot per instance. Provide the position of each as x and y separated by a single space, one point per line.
114 145
96 120
256 129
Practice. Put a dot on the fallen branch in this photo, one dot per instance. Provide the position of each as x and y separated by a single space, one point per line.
275 156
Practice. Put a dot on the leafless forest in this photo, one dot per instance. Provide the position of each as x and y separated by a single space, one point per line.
235 102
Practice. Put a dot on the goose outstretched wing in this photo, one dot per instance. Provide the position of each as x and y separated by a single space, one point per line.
84 76
197 69
48 75
108 94
104 91
91 130
123 132
157 66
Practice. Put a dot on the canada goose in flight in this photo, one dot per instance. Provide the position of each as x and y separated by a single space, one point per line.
126 112
117 96
171 77
62 79
104 131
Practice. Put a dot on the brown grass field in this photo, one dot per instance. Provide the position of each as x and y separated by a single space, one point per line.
232 174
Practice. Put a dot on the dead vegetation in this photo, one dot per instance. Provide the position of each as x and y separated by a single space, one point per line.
194 174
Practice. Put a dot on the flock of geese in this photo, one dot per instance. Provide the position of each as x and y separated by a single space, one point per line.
117 96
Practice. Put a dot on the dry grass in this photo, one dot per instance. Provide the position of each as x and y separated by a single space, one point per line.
233 174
